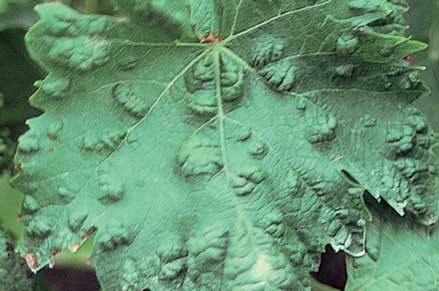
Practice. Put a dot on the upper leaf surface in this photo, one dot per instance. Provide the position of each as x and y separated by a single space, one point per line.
222 165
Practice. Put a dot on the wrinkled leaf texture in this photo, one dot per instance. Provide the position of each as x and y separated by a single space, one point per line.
220 145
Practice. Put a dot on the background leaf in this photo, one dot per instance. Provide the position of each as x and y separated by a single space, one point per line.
400 255
17 14
424 23
13 271
18 73
317 286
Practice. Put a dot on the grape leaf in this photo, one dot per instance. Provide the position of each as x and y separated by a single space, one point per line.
222 149
400 255
13 274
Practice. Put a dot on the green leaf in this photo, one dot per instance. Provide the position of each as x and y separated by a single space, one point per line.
13 273
219 162
399 256
10 207
394 23
167 14
424 25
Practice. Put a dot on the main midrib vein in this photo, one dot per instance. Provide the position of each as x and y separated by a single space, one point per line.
221 117
220 113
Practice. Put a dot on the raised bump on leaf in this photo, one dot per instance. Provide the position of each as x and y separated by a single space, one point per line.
268 50
55 89
201 154
30 205
39 229
66 195
347 44
252 262
54 129
322 129
115 235
112 189
29 143
281 76
74 41
127 96
206 252
173 259
76 220
200 82
108 141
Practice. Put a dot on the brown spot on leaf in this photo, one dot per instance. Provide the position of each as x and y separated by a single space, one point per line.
18 166
75 246
88 233
211 38
31 261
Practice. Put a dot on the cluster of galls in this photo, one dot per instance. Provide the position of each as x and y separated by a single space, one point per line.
76 41
202 155
201 84
126 95
279 74
107 142
408 151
